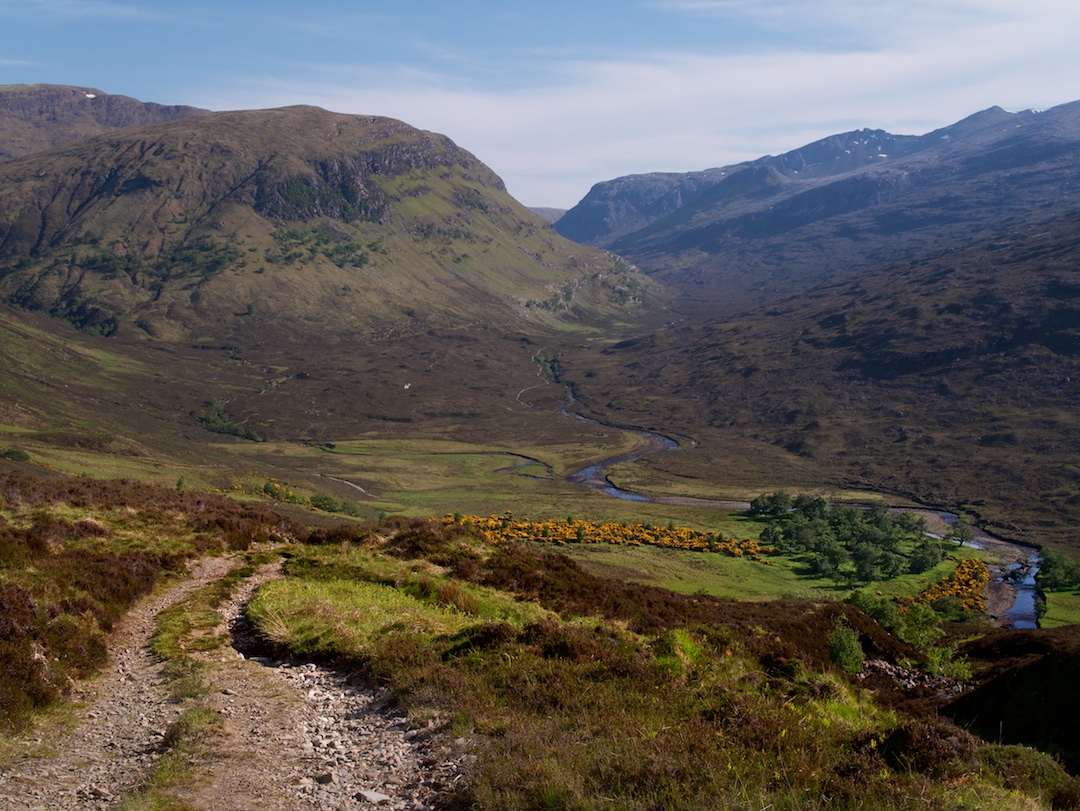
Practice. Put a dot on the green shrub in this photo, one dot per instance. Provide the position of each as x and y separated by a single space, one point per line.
844 648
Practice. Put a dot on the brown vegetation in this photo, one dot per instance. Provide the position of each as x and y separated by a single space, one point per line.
76 553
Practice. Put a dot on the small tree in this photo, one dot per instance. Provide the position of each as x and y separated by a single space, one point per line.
921 627
776 505
960 532
925 556
1057 572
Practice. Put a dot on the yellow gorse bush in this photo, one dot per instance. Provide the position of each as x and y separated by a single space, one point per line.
502 529
967 583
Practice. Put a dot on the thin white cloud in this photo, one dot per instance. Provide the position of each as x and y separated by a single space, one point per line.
874 24
923 65
83 10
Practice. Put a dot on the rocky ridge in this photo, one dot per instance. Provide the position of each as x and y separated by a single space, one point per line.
38 117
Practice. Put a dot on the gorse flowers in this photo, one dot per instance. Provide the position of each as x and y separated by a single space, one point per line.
503 529
967 584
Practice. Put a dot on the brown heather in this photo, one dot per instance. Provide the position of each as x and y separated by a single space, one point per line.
64 581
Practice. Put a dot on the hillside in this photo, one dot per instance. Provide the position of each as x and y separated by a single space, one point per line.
742 236
235 227
411 663
291 275
949 381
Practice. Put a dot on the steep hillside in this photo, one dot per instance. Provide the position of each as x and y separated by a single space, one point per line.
253 226
950 381
38 117
288 275
738 237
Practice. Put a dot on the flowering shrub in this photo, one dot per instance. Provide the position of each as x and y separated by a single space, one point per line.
967 584
501 529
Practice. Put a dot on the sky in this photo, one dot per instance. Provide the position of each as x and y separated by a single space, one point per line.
558 95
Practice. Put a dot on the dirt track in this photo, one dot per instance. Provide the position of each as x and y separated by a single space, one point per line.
291 736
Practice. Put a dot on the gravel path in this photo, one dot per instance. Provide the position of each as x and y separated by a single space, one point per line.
121 725
293 736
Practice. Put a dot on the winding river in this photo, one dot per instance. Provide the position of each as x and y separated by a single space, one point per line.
1019 574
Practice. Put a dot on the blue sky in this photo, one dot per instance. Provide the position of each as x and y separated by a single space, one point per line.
556 96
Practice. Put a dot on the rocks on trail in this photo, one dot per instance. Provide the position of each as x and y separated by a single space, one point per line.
293 736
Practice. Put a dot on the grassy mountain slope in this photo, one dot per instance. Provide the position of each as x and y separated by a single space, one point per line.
245 227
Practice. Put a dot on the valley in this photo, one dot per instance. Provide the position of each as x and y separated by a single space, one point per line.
500 484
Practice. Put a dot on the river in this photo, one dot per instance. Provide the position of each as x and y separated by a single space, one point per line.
1016 571
1023 613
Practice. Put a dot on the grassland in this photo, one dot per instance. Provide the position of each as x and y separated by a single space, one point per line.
666 706
574 689
1062 608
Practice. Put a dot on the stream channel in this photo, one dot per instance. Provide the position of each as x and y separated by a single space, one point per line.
1020 574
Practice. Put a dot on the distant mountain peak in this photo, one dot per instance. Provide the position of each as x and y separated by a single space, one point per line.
831 208
42 116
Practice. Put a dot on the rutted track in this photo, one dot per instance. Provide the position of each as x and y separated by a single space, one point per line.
292 735
122 724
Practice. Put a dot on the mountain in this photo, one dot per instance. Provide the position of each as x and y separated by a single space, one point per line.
745 235
893 313
310 275
38 117
550 215
237 226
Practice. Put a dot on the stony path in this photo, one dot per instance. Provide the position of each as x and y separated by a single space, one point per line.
292 735
126 713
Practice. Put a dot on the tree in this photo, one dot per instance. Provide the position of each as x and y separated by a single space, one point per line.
867 560
961 532
828 560
810 506
1057 572
776 505
925 556
921 628
883 611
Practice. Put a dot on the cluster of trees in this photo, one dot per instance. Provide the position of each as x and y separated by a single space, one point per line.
1057 572
847 544
218 420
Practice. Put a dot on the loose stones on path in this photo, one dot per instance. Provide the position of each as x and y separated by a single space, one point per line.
358 752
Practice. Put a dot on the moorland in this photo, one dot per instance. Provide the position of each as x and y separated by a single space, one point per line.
338 339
